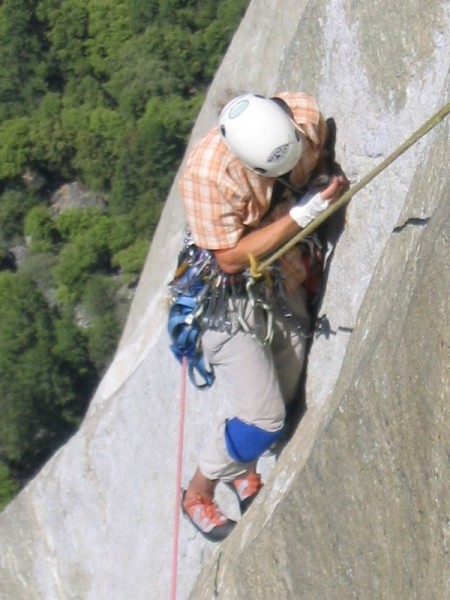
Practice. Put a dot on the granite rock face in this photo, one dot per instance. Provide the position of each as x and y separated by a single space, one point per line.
358 504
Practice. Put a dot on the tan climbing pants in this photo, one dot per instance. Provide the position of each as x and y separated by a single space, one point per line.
256 380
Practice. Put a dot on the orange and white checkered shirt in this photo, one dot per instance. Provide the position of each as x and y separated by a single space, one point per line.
223 199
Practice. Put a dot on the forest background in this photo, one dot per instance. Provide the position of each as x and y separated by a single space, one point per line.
103 93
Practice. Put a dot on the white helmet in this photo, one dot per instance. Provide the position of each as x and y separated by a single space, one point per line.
261 133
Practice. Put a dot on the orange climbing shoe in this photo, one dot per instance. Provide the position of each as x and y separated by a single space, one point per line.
246 489
204 514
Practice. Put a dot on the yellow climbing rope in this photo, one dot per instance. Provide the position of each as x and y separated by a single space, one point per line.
257 269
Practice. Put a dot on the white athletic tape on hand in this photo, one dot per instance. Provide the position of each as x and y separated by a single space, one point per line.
308 208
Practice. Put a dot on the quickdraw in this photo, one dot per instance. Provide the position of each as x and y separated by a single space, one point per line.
264 303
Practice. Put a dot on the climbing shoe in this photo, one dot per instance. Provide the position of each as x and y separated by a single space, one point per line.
246 489
204 514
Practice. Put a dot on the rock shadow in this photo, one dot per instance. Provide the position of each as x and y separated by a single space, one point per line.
328 234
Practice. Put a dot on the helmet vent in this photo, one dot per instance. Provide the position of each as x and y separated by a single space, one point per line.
223 130
238 109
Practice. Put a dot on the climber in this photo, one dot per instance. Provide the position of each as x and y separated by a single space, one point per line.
249 186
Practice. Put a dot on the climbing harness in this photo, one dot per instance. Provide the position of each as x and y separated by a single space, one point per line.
203 297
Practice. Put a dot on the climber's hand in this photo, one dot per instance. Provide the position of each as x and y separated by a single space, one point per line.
334 188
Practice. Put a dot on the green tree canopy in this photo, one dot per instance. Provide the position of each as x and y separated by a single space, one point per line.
36 401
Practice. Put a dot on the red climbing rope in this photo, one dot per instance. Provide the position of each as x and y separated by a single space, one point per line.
176 527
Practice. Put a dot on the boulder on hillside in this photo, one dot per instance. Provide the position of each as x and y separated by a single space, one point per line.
75 195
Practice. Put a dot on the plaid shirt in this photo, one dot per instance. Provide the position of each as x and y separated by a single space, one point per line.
223 199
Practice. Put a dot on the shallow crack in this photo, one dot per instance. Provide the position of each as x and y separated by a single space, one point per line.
216 577
416 221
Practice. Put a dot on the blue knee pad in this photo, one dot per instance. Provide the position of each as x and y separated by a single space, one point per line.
246 442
